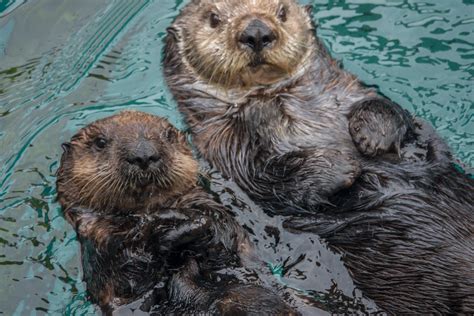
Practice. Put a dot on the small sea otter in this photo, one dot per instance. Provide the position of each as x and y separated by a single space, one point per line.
269 107
127 184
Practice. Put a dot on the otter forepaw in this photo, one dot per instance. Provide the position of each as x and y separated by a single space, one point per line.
331 172
372 140
342 173
193 231
309 177
378 126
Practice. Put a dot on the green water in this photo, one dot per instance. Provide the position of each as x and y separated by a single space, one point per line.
65 63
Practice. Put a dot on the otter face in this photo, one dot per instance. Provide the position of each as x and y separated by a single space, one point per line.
244 42
127 160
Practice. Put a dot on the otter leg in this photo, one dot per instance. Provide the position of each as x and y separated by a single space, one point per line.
378 125
187 287
323 225
307 177
183 288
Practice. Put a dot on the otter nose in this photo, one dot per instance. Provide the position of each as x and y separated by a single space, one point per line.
257 36
143 155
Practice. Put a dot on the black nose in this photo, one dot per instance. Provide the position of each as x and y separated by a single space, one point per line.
143 155
257 36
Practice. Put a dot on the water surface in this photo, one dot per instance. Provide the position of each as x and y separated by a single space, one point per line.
65 63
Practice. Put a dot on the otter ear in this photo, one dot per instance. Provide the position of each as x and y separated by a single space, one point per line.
199 2
309 10
66 147
172 31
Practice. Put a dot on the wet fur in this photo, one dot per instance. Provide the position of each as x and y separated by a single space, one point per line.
345 162
407 234
135 238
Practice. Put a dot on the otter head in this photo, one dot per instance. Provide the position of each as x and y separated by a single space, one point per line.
244 43
125 162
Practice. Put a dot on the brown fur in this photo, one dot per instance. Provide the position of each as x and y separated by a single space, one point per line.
139 225
315 142
229 66
92 179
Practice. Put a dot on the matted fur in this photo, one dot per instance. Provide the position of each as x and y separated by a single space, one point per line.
313 142
139 227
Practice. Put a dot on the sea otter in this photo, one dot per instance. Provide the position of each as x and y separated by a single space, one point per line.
269 107
127 184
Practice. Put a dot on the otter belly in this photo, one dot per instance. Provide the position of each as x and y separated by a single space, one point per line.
408 237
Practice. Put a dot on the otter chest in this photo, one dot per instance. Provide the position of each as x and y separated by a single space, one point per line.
263 118
288 123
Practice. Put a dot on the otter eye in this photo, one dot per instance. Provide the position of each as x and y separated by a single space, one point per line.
100 142
215 20
282 14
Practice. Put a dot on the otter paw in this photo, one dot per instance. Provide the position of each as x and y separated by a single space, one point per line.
333 171
371 140
345 171
194 232
378 125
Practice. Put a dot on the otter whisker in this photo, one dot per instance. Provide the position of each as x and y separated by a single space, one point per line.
90 194
114 198
95 189
79 175
86 186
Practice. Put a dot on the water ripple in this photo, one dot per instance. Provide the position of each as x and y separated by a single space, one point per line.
65 65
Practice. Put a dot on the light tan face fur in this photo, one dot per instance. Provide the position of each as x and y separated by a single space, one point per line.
214 52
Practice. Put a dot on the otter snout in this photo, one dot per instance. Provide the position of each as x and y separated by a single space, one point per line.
257 36
142 155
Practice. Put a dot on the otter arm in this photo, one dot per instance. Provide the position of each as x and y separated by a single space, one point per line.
165 230
125 255
378 125
305 178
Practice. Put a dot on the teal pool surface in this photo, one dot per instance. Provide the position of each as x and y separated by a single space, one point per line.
65 63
